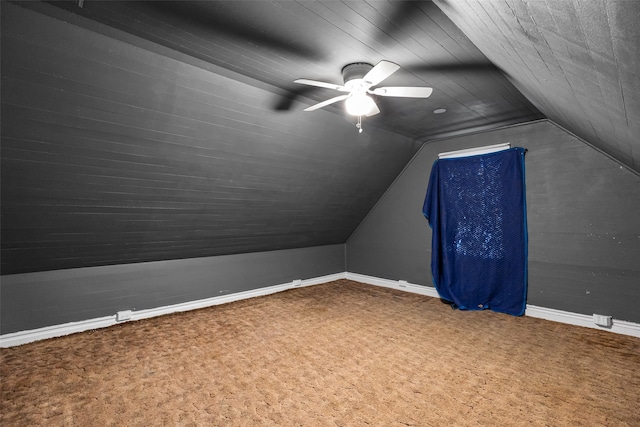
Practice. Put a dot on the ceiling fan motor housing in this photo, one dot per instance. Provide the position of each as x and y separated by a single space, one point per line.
355 71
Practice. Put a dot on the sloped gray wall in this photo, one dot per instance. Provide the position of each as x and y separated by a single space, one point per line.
113 153
583 220
35 300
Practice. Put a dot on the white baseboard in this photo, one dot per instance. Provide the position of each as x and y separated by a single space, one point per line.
401 285
23 337
618 326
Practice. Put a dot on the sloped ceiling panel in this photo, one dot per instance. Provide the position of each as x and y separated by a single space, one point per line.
578 62
276 42
140 131
115 154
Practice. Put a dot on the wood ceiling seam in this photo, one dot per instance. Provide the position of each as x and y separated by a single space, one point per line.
585 116
564 72
490 16
624 102
475 12
513 49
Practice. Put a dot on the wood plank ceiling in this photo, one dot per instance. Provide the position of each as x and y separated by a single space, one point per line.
276 42
577 61
140 131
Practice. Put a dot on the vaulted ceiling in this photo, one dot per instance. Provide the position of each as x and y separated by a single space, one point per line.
140 131
277 42
578 62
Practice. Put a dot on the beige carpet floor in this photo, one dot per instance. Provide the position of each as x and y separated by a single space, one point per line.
338 354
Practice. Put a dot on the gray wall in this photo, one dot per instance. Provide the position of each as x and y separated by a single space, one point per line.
34 300
583 219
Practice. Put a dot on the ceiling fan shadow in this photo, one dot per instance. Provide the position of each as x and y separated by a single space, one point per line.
393 26
285 99
212 18
485 67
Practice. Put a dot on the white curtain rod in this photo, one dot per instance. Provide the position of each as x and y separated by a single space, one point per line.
473 151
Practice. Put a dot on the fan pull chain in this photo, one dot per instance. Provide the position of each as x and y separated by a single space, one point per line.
359 124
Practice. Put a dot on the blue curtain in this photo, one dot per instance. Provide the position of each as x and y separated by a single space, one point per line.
476 208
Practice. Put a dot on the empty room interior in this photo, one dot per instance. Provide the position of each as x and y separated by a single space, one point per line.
245 212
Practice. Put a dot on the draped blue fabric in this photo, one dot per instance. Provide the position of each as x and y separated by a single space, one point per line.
476 208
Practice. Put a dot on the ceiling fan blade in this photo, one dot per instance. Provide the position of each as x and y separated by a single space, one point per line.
374 110
402 91
327 102
381 71
321 84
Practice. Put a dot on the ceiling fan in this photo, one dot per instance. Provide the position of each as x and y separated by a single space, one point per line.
359 81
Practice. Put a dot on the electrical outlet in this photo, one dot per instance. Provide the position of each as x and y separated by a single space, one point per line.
123 315
297 283
402 283
602 320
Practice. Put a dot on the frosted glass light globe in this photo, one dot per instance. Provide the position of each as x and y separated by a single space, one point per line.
359 105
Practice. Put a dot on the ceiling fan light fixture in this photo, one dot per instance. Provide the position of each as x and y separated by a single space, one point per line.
359 105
